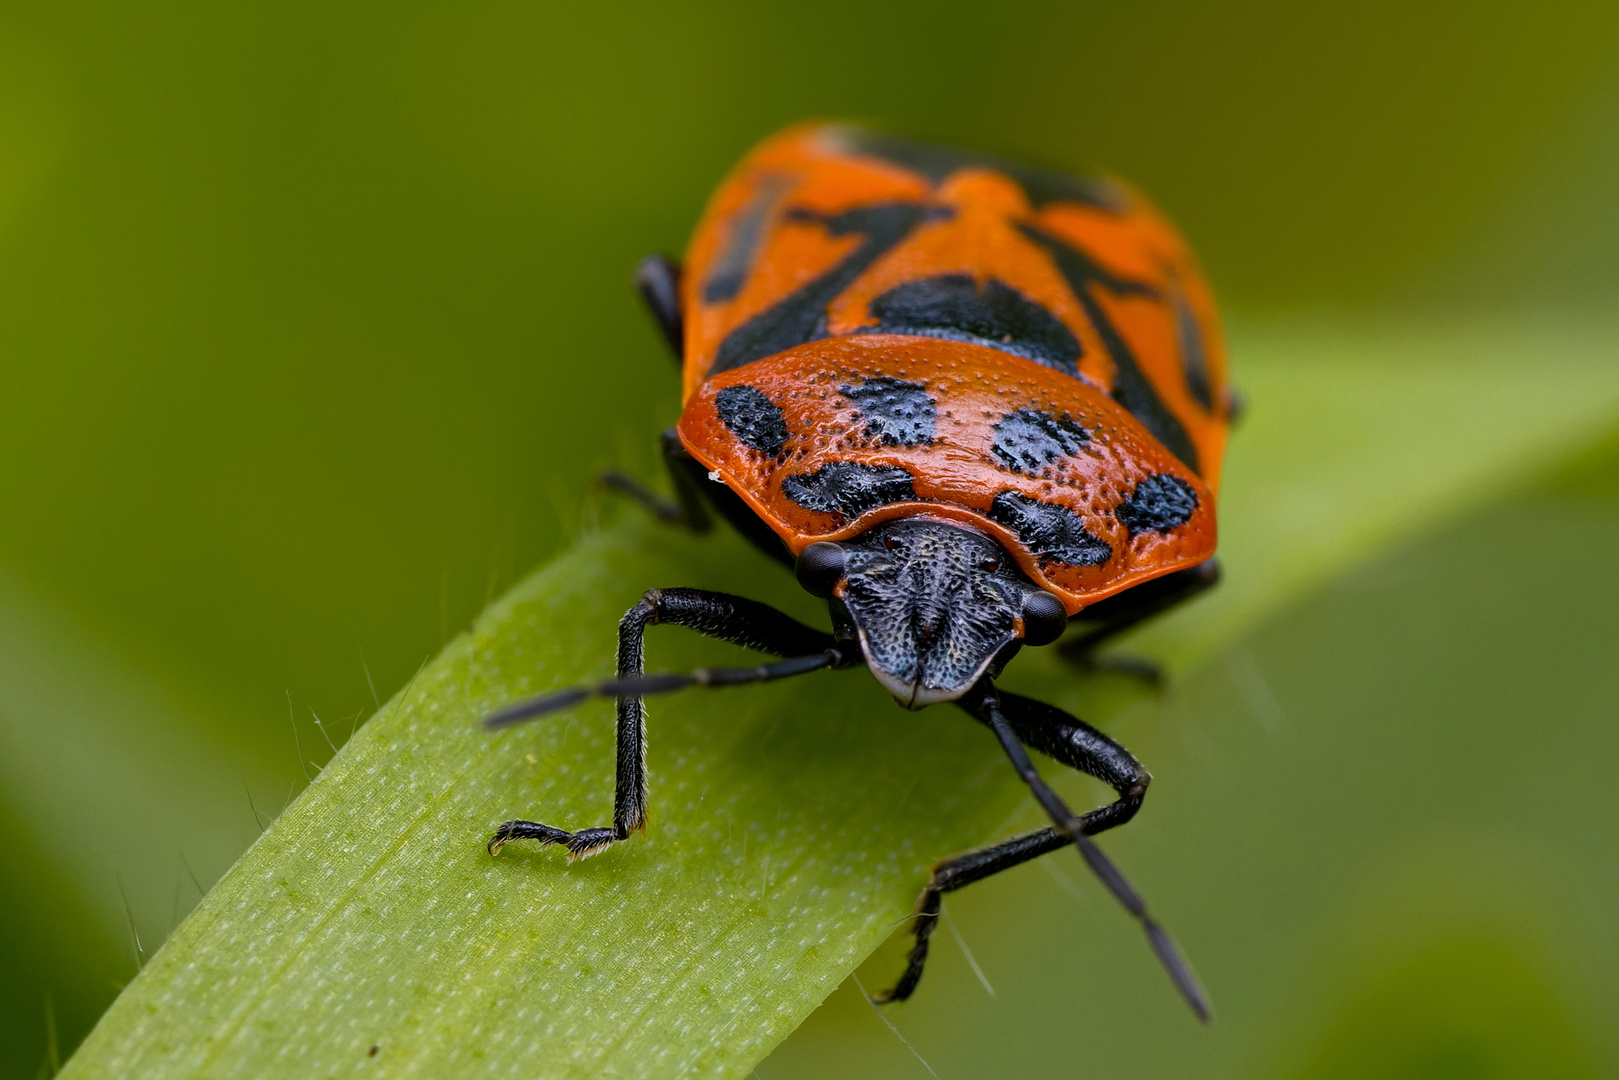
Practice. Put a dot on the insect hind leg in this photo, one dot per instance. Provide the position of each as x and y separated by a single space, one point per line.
657 279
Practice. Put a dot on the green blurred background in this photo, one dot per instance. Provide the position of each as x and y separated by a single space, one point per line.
314 324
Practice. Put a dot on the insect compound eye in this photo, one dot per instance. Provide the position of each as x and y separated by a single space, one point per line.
1044 618
820 568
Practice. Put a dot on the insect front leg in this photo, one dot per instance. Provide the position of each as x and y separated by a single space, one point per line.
985 703
1068 740
713 614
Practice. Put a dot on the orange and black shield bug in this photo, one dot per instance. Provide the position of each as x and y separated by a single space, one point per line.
974 405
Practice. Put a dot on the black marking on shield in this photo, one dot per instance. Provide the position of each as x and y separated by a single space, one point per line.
849 488
1194 354
801 316
1041 185
1028 440
1054 533
752 418
953 307
897 413
741 248
1131 387
1160 503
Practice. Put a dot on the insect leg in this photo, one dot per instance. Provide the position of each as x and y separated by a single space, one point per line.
713 614
1068 740
741 517
983 702
952 874
657 279
686 508
694 489
1097 624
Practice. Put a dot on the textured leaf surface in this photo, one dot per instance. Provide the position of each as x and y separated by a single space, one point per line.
791 824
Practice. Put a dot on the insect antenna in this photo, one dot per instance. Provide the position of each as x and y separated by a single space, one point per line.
644 685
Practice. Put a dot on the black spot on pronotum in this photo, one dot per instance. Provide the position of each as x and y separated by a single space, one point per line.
1053 533
953 306
752 418
897 413
849 487
1159 503
1028 440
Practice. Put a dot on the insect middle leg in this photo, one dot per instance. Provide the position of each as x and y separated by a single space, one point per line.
1071 742
713 614
695 493
686 508
1100 623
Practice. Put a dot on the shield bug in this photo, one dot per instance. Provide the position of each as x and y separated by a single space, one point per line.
973 405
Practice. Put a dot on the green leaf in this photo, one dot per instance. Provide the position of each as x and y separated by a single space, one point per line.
792 823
